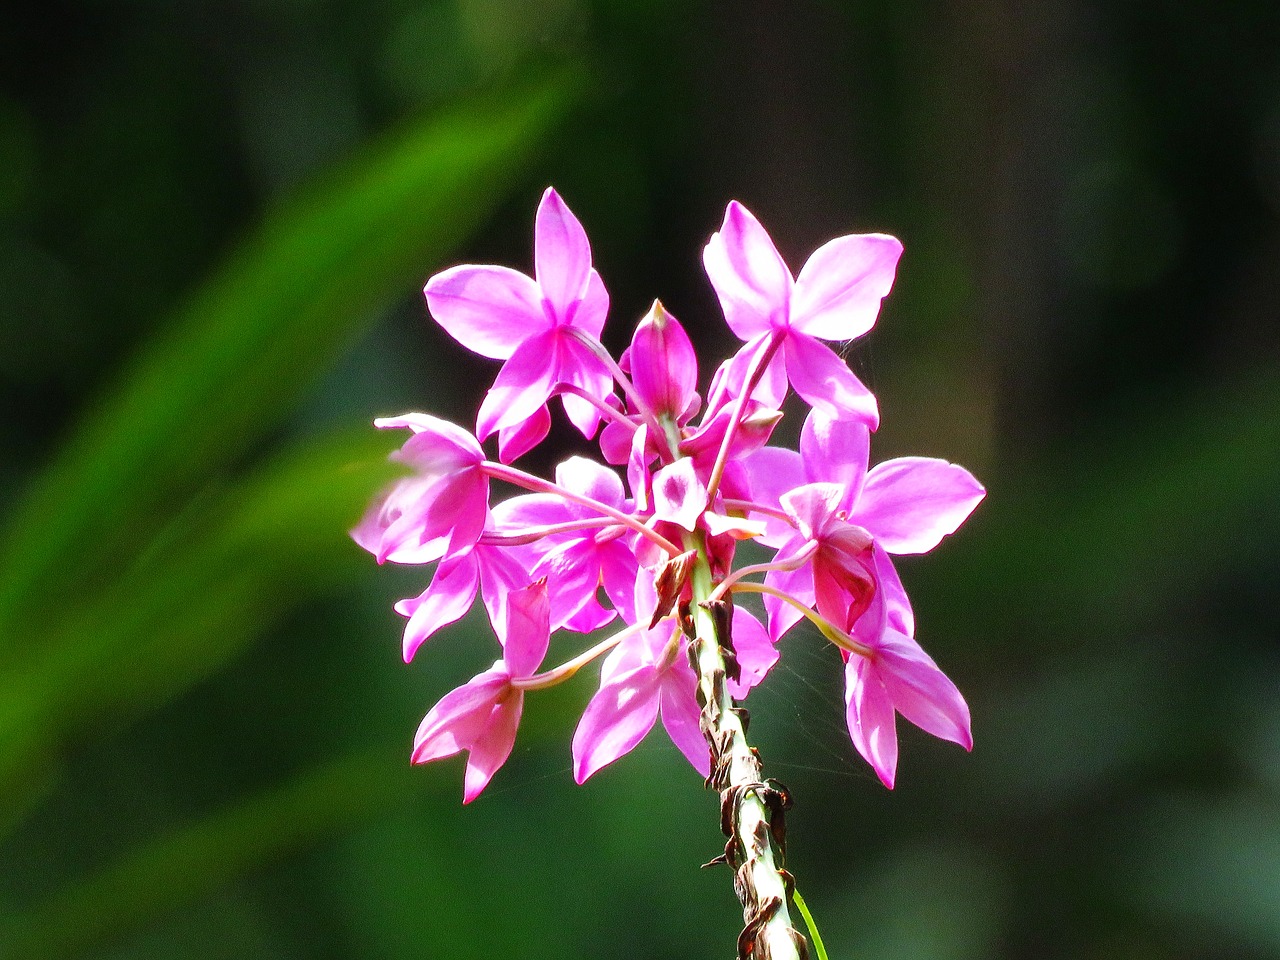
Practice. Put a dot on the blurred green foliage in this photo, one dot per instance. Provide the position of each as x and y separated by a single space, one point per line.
214 222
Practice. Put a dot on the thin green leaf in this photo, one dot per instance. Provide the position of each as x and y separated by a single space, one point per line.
247 346
809 922
219 579
176 870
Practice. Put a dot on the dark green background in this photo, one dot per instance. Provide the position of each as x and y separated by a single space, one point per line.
215 218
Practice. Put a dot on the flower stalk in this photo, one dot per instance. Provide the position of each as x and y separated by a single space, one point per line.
752 809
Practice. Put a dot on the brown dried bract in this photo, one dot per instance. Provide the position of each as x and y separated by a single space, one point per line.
670 583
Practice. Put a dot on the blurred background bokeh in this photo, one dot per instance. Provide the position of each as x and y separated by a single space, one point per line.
215 220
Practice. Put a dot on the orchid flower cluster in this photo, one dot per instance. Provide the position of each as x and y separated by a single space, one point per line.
695 487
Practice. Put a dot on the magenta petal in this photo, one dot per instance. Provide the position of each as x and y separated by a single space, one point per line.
493 746
615 441
678 494
437 446
843 585
749 276
445 601
731 377
678 706
826 383
813 507
836 451
514 442
619 571
503 572
892 596
869 713
419 514
489 310
572 572
796 583
562 255
837 295
523 385
618 717
921 692
531 510
590 479
664 367
755 652
911 503
772 471
593 308
528 629
576 364
459 717
385 510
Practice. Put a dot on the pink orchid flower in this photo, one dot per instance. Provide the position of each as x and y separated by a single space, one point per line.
440 508
836 297
495 571
481 716
898 677
649 676
540 326
905 506
579 563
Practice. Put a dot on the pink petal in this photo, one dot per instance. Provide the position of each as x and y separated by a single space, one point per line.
892 598
911 503
619 571
618 717
843 586
678 705
503 572
515 441
826 383
731 377
836 451
584 476
813 507
837 295
562 255
749 276
796 583
445 601
773 471
869 713
523 385
418 515
576 364
436 447
528 629
489 310
491 749
638 467
664 367
678 494
572 572
593 309
383 512
615 441
921 692
755 652
739 528
530 510
460 716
